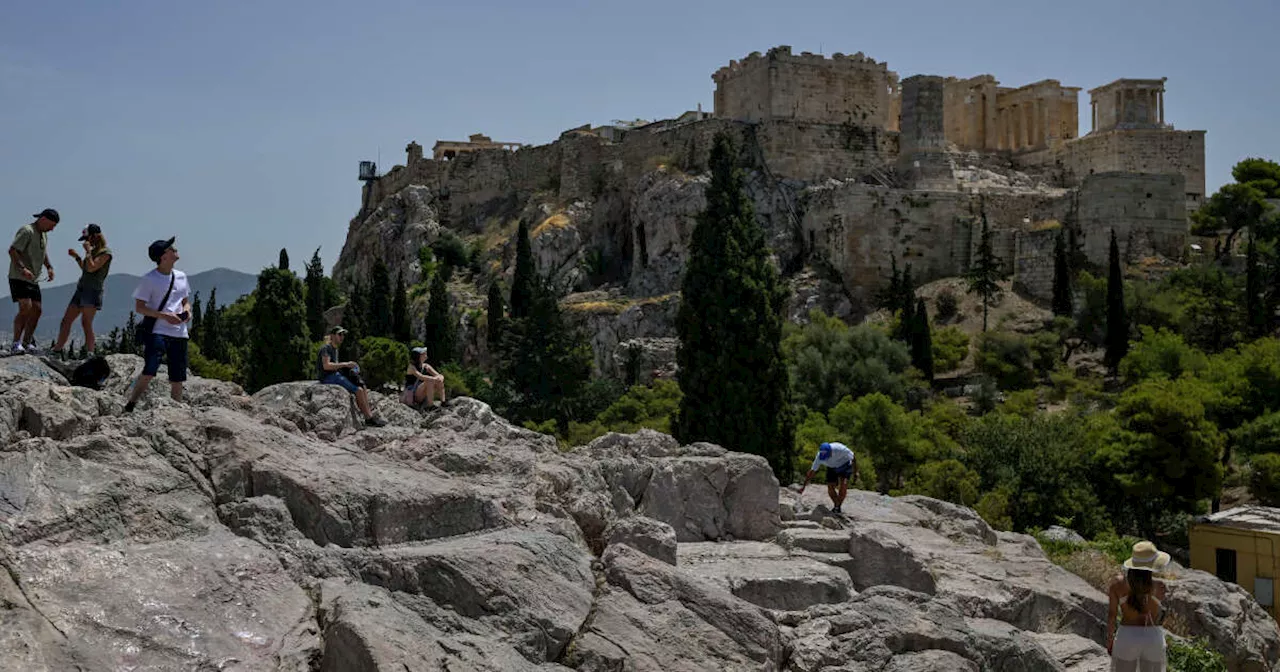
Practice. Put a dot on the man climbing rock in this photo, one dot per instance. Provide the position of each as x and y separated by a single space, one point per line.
841 463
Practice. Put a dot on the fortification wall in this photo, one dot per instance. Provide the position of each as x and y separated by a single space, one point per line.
1033 263
1148 213
805 87
1151 151
815 152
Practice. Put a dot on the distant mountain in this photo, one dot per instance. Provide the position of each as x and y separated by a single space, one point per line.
118 302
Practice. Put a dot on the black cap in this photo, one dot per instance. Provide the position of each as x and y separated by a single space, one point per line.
156 250
50 213
91 230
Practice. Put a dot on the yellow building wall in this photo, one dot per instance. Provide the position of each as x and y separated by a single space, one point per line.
1256 554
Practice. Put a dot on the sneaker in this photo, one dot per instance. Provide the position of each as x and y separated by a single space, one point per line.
17 348
836 510
375 421
128 407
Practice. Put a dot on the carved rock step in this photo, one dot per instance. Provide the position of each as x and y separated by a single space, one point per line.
815 540
765 575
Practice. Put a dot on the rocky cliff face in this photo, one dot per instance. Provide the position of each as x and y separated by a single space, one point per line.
269 533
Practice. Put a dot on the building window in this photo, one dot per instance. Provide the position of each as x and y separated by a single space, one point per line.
1264 591
1225 564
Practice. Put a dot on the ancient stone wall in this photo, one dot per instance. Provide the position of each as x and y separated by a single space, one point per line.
1151 151
815 152
1148 213
1033 263
970 113
804 87
922 139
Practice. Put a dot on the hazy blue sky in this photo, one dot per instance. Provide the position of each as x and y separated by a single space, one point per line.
237 126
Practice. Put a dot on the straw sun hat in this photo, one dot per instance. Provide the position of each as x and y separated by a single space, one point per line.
1147 557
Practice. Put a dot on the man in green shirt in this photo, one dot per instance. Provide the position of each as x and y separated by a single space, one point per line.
26 254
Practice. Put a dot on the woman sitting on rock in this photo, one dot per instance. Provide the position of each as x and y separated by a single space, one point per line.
1138 645
422 384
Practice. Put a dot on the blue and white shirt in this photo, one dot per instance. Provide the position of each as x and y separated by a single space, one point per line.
840 458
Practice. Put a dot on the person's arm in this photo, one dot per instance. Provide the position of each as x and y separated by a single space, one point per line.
16 257
807 478
433 374
413 371
329 365
855 467
48 266
1113 602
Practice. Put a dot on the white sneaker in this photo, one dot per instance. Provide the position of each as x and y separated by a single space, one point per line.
17 348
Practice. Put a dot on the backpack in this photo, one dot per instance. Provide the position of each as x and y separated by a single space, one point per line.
93 373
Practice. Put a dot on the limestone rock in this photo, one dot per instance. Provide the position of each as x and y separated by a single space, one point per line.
663 208
1063 534
1232 620
766 575
654 538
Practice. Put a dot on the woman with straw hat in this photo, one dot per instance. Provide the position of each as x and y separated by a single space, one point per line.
1138 644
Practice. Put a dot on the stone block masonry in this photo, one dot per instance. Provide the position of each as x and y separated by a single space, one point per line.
1033 263
1147 212
805 87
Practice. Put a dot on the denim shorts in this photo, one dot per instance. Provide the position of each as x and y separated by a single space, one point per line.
85 297
336 378
172 347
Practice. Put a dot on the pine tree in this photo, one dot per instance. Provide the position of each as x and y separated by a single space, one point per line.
921 341
1062 304
441 334
284 259
525 275
128 345
84 351
197 318
379 306
112 344
985 272
280 346
1117 340
730 321
400 325
317 302
1256 319
494 318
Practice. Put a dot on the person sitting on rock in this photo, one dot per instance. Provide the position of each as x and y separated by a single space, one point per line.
331 372
1138 644
422 383
841 463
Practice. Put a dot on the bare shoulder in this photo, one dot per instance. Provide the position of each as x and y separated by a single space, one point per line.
1118 586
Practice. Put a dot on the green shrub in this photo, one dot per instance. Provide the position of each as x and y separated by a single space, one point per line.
994 508
451 250
948 480
1261 435
950 347
1015 362
947 305
1193 656
384 362
1264 478
207 368
651 407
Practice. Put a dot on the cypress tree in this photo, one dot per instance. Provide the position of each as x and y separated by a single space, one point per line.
905 305
1061 278
379 306
985 272
494 318
1256 319
197 318
353 320
889 295
284 259
113 342
211 340
921 341
400 325
730 321
525 276
1117 340
544 361
280 348
128 345
441 334
317 302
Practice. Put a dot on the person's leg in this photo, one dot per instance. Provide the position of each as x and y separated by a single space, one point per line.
152 353
844 491
33 318
176 351
362 402
440 389
68 319
86 322
422 392
831 492
20 320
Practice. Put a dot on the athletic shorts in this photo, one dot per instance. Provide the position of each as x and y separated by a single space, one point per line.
85 297
172 347
23 289
1138 649
834 474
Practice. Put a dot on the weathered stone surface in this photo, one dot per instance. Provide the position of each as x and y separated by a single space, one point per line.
654 617
1063 534
1075 653
766 575
1232 620
654 538
818 541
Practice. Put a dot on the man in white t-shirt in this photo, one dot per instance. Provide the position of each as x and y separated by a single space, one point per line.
841 465
168 338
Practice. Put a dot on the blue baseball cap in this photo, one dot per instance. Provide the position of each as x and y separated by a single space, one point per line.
824 450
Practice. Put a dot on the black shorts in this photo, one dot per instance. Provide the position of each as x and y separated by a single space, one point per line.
85 297
834 474
170 347
24 289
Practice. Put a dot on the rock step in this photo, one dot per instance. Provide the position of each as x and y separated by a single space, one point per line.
814 540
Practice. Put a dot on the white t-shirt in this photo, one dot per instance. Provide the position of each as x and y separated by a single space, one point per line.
151 290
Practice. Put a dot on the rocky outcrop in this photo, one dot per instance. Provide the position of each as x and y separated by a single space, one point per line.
275 532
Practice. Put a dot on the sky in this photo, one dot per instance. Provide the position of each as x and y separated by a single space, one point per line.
238 126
